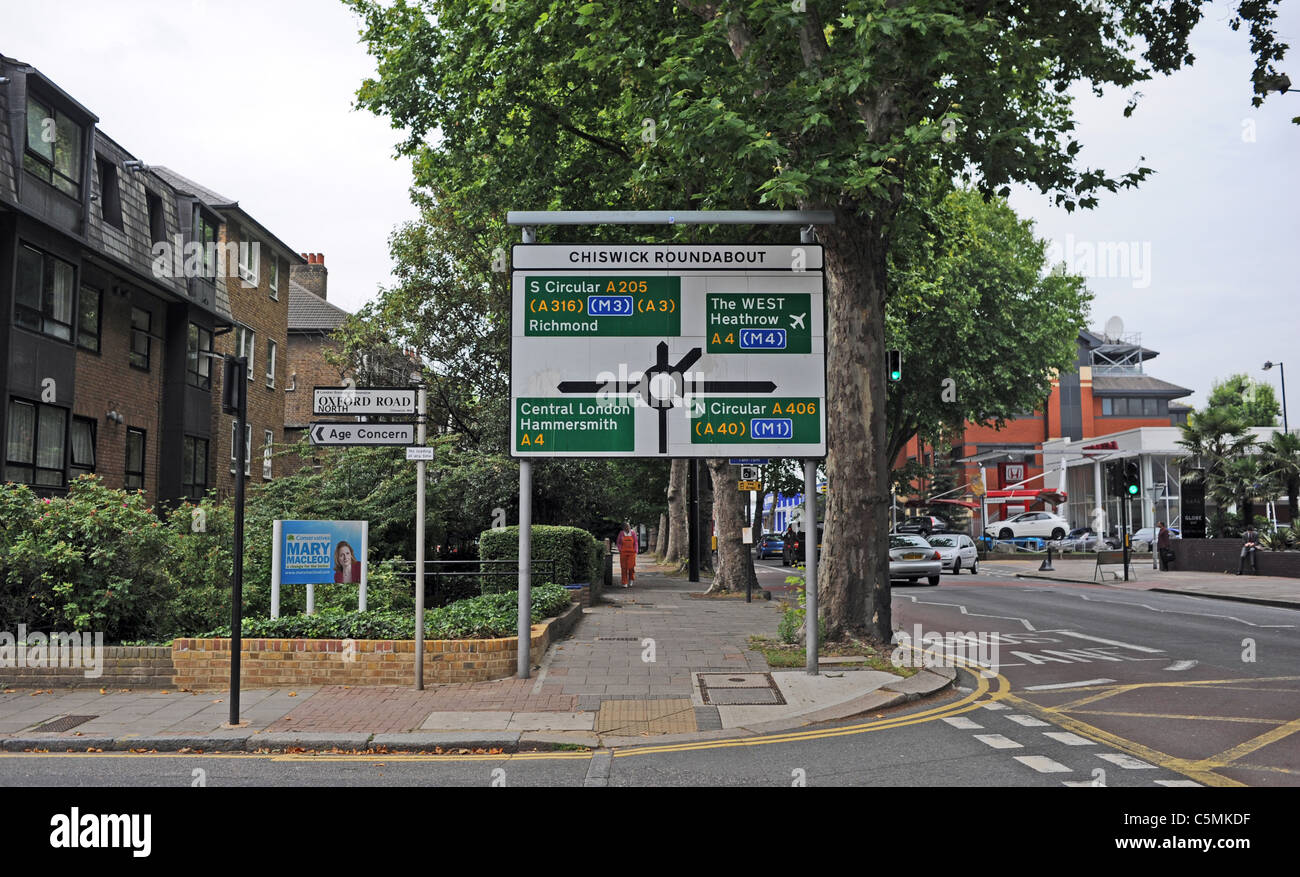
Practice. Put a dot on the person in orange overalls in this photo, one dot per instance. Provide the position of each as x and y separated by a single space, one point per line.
628 548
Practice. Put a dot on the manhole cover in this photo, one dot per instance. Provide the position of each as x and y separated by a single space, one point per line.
739 689
67 723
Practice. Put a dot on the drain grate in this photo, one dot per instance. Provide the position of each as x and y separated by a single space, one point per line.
740 689
67 723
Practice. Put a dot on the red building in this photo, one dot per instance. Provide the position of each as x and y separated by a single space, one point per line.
1109 391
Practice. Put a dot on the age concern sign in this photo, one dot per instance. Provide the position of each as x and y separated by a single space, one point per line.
667 350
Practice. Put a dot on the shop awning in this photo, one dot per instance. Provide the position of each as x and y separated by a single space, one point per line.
1055 497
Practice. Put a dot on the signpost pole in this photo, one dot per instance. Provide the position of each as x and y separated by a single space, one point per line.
524 632
277 561
421 411
811 631
239 374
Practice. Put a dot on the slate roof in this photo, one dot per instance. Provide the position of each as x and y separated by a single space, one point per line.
186 186
311 313
1136 385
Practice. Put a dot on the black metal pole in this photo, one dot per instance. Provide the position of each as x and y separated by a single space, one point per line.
693 522
237 584
1282 369
1123 530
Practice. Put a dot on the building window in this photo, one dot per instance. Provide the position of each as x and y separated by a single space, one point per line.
43 297
248 447
194 480
88 319
83 446
157 219
270 364
274 279
53 148
110 195
1150 407
34 444
249 261
268 439
245 342
134 459
141 338
198 366
205 235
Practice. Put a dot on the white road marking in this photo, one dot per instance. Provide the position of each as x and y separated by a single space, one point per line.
964 723
1079 684
1182 665
997 741
1127 762
1078 783
964 611
1108 642
1179 784
1068 739
994 705
1027 721
1043 764
1177 611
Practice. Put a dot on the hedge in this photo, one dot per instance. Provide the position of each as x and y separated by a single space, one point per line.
491 615
578 556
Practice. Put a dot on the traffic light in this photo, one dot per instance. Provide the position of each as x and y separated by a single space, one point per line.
1132 479
895 365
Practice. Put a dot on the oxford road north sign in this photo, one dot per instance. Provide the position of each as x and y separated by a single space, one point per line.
365 434
363 400
670 350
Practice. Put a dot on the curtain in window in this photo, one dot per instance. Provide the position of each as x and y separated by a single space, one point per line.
22 432
49 447
83 444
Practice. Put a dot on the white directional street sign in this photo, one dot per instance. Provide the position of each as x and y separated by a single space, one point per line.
669 350
363 400
362 434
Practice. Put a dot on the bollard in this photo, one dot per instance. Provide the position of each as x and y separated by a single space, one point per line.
1046 565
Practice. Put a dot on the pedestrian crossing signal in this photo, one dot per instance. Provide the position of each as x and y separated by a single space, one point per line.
895 365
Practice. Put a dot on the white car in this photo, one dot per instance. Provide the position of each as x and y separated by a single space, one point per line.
956 552
1044 525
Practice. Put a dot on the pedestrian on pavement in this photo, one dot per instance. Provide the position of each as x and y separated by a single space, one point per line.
1249 546
1163 547
628 548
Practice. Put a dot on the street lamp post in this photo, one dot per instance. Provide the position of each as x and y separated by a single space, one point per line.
1282 372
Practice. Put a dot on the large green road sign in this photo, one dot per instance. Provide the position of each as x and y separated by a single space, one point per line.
668 350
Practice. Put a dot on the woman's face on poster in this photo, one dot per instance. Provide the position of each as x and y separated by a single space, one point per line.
345 556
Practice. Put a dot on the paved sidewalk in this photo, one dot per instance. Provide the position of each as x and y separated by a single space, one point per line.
1268 590
653 662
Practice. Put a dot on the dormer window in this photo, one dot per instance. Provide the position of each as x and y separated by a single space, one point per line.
205 235
54 144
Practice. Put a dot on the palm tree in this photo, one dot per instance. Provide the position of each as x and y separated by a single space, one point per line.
1281 459
1214 438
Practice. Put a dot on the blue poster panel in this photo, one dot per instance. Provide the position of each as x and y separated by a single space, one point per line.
321 552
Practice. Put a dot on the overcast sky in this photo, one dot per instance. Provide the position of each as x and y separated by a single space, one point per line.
254 99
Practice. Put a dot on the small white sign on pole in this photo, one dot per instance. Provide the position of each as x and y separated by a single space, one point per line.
747 535
420 453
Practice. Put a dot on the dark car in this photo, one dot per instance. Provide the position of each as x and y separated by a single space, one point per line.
793 551
770 544
924 525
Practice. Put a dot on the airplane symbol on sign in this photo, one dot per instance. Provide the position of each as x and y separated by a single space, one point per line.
796 321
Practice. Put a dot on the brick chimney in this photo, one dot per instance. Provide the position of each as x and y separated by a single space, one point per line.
313 276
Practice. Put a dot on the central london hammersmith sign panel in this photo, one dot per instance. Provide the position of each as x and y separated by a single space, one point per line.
672 350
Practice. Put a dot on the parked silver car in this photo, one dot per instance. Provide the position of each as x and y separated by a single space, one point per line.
912 557
957 552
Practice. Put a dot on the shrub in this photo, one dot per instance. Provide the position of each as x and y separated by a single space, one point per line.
792 617
93 560
490 615
578 557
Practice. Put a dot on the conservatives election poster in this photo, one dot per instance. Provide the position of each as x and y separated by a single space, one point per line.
319 553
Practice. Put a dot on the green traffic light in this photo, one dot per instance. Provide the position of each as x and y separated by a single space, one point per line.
1132 489
893 376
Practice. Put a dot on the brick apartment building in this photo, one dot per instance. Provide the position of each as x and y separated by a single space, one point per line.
113 287
312 319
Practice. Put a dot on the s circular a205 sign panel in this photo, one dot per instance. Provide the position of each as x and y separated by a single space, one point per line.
668 350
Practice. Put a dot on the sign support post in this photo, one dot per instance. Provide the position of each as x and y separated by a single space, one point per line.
524 654
811 618
421 417
693 521
236 385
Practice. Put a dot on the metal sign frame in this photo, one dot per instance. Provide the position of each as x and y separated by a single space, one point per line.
359 394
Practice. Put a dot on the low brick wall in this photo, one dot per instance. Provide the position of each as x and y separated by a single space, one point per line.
1217 555
122 667
204 664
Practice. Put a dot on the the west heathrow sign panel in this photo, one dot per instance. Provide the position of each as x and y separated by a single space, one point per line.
668 350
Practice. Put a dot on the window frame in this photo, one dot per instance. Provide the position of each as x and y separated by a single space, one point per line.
196 360
38 432
53 177
268 440
246 338
73 465
127 472
203 221
250 259
82 330
273 280
110 191
157 217
43 314
192 488
147 334
248 448
271 348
